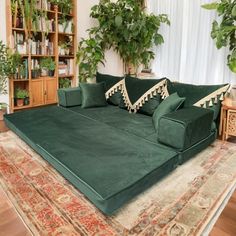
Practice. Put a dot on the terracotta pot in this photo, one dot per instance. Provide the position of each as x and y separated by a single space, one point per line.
20 102
2 112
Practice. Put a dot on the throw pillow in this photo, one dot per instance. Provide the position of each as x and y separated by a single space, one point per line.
170 104
113 85
143 95
207 96
93 95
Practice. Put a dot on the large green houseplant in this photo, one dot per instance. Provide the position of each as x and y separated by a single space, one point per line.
123 26
224 30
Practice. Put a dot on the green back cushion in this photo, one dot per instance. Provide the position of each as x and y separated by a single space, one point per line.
136 88
194 93
93 95
110 81
69 97
170 104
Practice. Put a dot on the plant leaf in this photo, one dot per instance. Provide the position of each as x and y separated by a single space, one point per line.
211 6
118 20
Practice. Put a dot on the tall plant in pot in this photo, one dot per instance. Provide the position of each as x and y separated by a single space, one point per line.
125 27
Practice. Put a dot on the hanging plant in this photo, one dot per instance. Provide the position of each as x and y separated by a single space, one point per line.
224 30
125 27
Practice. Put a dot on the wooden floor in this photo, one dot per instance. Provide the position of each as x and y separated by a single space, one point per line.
12 225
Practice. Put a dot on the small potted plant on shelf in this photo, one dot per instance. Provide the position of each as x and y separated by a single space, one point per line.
64 48
47 66
20 96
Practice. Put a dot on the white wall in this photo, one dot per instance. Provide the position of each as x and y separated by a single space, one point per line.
113 64
3 98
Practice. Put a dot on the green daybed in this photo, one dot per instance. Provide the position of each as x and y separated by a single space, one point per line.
106 152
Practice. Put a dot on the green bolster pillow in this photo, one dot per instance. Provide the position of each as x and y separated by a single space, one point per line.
69 97
183 128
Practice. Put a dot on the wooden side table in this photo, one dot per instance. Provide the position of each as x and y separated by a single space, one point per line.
227 120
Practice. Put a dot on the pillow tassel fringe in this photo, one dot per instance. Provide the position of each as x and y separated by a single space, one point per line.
218 95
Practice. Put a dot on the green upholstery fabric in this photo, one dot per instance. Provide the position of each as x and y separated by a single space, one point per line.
93 95
110 81
193 93
108 165
136 88
137 124
185 127
170 104
69 97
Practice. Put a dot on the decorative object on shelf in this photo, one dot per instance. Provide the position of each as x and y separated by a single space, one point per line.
64 47
117 29
224 32
47 66
21 95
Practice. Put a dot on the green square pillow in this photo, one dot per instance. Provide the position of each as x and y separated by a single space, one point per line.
93 95
170 104
113 87
143 95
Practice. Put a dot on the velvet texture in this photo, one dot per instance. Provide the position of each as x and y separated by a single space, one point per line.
183 128
136 88
170 104
108 165
193 93
69 97
93 95
110 81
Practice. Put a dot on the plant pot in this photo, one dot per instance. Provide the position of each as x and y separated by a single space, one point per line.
44 72
51 73
61 51
26 101
20 102
2 112
67 51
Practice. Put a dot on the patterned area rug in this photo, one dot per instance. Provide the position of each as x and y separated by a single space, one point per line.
181 204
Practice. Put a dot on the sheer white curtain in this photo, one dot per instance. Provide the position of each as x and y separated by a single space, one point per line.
189 54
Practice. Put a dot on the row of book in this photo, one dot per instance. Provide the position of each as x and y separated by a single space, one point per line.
42 48
65 67
43 4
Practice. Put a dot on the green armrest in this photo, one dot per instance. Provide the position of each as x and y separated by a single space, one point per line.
69 97
183 128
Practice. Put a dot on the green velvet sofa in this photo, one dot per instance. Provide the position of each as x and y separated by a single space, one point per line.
113 152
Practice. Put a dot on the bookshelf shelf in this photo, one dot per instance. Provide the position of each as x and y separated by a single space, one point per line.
43 44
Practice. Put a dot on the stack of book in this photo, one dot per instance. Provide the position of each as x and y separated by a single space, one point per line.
65 67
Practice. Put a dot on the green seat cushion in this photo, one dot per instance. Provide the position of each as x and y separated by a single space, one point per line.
69 97
136 88
170 104
111 81
194 93
183 128
137 124
108 165
93 95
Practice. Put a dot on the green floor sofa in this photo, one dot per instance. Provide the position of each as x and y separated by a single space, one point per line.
113 149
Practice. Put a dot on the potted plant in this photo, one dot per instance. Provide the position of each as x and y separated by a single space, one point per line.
47 66
117 29
64 47
3 110
64 83
20 95
224 32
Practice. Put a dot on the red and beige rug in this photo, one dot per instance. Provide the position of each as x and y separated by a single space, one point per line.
181 204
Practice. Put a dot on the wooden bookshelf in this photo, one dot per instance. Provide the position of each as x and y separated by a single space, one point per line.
43 89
